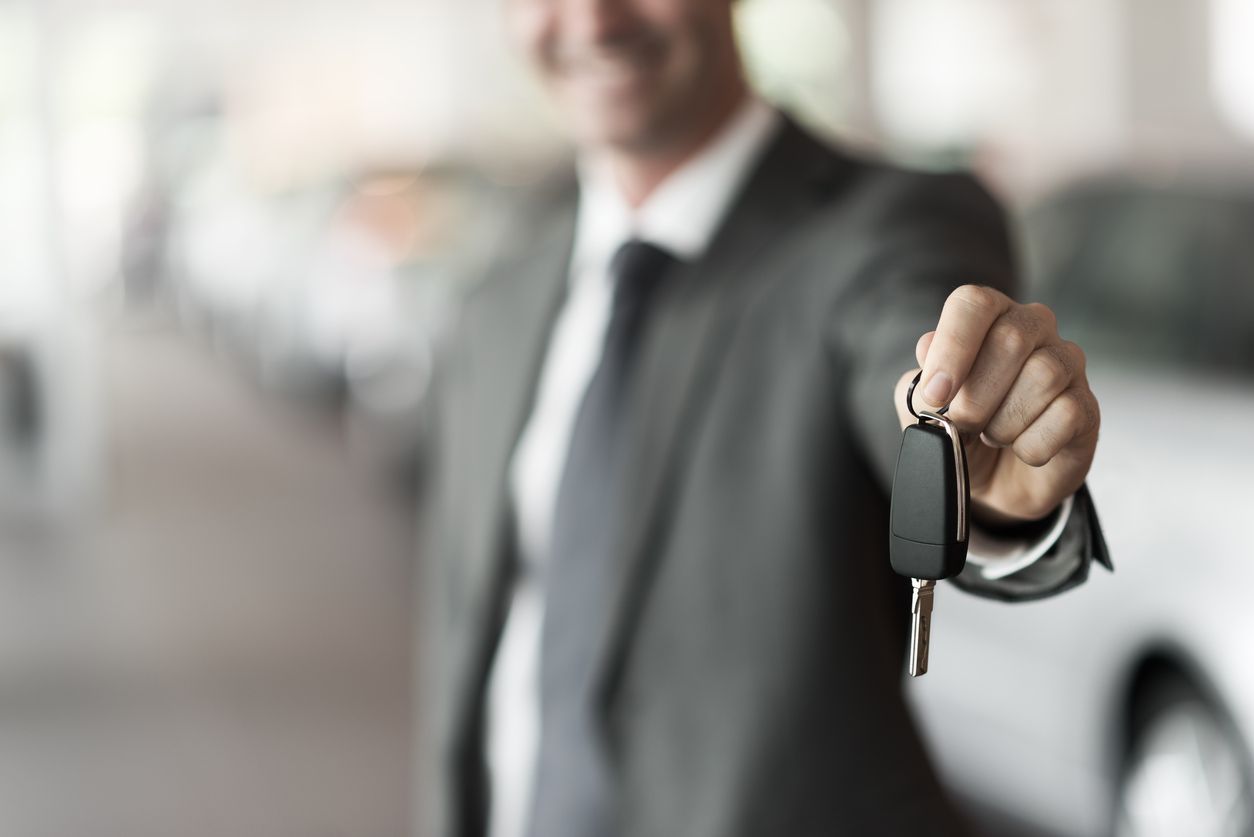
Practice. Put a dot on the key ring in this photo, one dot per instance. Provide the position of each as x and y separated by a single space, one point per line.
910 400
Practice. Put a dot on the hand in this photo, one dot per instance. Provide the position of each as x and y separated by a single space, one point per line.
1019 396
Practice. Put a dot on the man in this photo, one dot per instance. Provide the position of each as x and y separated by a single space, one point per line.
660 590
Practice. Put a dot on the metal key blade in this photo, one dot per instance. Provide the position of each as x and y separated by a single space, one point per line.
920 624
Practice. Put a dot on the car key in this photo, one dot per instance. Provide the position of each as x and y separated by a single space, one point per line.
928 538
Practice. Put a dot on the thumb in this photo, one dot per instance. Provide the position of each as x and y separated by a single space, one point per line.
921 348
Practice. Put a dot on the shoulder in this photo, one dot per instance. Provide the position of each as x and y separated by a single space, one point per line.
882 214
880 192
879 230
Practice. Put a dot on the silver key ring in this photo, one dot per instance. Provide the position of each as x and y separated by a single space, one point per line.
910 401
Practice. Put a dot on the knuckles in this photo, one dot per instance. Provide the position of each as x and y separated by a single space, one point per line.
1047 372
1072 415
1010 339
1091 412
1044 440
1033 452
1079 360
977 298
1053 369
970 415
1000 435
1044 315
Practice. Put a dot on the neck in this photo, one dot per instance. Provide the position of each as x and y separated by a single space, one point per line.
639 173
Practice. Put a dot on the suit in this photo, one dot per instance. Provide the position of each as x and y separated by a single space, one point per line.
751 656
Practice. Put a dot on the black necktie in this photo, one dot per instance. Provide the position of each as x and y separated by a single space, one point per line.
573 796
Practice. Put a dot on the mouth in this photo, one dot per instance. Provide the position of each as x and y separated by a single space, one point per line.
618 70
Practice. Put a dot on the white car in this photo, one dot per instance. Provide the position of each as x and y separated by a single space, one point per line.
1126 706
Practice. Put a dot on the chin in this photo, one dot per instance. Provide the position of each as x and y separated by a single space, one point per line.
592 133
621 127
630 115
617 136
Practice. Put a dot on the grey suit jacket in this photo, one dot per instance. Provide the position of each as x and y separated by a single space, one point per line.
753 647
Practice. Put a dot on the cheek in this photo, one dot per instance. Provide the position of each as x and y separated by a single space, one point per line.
693 28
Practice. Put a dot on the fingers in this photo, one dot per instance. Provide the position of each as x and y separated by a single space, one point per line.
1018 351
1071 416
1047 373
969 313
1006 370
1005 374
921 348
1008 345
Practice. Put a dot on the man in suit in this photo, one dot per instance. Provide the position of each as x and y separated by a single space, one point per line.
658 585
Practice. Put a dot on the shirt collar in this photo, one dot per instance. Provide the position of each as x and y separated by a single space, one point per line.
683 213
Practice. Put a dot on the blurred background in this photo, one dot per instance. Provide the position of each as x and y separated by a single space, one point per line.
229 232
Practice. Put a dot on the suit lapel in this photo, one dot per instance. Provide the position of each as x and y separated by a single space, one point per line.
687 331
509 340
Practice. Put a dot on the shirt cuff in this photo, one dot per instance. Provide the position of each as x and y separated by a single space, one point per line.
1063 562
998 556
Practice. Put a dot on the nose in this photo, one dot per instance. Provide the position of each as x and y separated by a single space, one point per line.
597 21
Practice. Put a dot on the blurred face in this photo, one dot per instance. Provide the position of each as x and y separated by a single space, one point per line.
638 76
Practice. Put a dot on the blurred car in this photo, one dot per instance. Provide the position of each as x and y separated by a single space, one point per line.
231 250
327 289
336 295
1126 706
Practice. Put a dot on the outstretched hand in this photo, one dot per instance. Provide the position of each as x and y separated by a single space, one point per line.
1018 394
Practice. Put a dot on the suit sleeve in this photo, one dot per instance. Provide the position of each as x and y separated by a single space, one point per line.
924 236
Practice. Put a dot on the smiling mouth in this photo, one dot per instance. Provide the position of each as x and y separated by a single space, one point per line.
615 69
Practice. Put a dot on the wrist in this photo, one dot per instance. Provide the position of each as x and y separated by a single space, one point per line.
1002 525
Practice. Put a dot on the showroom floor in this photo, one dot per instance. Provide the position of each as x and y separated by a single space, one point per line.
221 645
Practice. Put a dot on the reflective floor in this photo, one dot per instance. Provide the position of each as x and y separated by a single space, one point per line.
222 646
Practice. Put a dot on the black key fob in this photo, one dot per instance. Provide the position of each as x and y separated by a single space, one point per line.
931 492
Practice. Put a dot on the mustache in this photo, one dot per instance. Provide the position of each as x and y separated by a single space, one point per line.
640 46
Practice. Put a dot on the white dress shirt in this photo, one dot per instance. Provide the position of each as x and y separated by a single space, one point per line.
680 216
